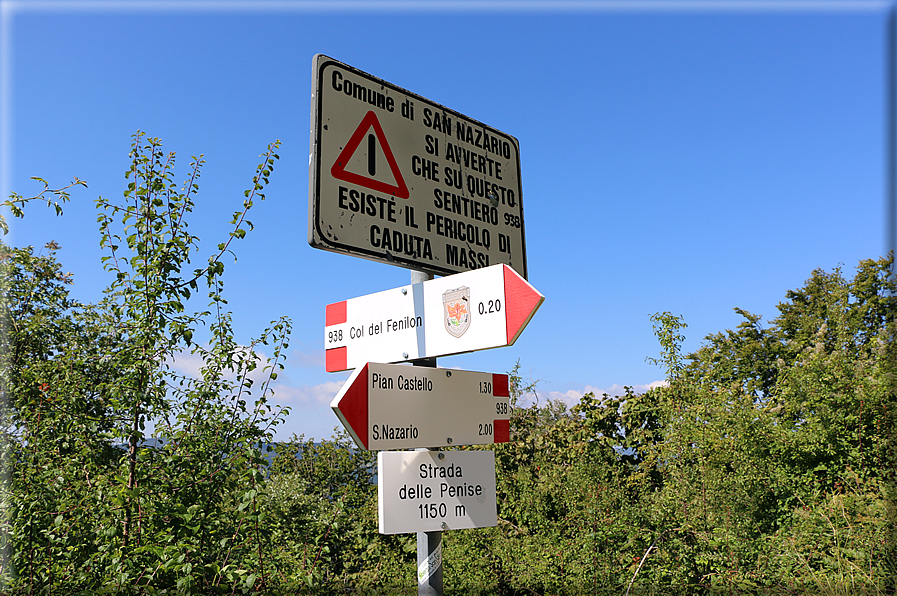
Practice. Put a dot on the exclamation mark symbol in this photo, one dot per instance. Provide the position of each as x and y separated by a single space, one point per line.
372 161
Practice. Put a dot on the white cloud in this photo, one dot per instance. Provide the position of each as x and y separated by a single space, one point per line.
306 395
284 393
190 364
572 396
309 359
186 363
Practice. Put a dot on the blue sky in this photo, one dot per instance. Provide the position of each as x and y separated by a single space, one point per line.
675 156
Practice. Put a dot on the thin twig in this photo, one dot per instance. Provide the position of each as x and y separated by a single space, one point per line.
642 562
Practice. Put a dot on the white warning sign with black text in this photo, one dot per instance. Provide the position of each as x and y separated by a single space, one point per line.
395 177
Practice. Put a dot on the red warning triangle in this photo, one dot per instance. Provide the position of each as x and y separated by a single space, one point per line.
339 171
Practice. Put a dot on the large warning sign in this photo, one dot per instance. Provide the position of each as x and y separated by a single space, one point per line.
397 178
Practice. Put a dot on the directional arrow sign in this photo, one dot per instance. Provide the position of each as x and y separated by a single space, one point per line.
393 406
465 312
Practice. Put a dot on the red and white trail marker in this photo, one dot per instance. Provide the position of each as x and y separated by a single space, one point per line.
476 310
394 406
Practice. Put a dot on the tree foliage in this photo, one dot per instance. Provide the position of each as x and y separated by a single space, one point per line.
89 507
765 464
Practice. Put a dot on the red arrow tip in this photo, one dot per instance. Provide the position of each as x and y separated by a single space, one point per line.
354 407
521 302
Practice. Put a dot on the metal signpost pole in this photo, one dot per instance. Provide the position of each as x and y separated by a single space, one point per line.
429 544
383 170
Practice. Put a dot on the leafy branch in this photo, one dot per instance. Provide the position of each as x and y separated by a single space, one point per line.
53 197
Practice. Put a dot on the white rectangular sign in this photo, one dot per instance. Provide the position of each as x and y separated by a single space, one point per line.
486 308
426 491
395 406
396 178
